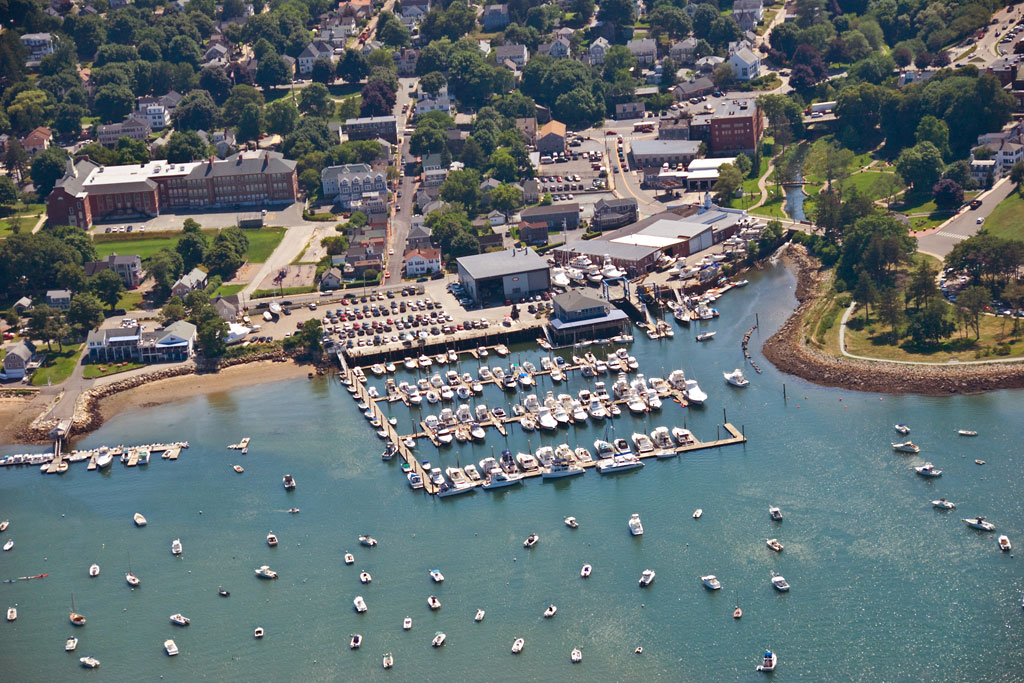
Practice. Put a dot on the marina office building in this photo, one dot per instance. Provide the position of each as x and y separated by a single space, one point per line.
509 275
578 316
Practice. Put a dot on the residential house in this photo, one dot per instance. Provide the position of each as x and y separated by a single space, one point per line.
555 216
337 33
347 185
439 101
414 13
358 9
707 64
1007 146
489 241
984 170
38 140
17 360
531 191
683 51
597 51
38 45
533 234
58 298
644 50
551 138
630 110
419 237
434 172
331 279
22 304
695 87
127 266
191 281
495 18
747 13
405 61
559 48
422 262
614 213
513 52
456 140
496 218
216 55
746 64
157 110
528 127
318 49
133 127
227 307
223 140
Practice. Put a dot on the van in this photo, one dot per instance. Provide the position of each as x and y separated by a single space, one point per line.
545 159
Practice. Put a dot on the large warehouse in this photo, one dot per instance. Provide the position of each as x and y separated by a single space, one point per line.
510 275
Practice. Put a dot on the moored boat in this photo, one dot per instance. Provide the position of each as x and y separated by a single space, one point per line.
711 582
436 575
359 604
94 570
265 572
479 615
636 527
288 481
170 647
697 513
902 429
433 603
550 611
779 583
176 547
768 662
774 544
407 623
364 577
517 646
646 578
531 541
586 570
979 523
388 660
368 541
89 662
571 522
928 470
736 378
906 447
775 513
272 539
258 632
180 620
70 644
1004 543
355 641
438 639
943 504
966 432
139 519
576 656
12 613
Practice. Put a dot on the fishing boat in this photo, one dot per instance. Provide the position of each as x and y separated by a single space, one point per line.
636 527
571 522
768 662
355 641
288 481
966 432
774 544
550 611
775 514
928 470
271 539
139 519
646 578
902 429
257 632
698 512
906 447
736 378
980 523
711 582
517 646
388 660
943 504
576 656
1004 543
94 570
407 623
222 592
433 603
368 541
436 575
531 541
439 639
170 647
103 460
12 613
693 392
265 572
9 544
586 570
364 577
706 336
180 620
89 662
479 615
779 583
359 603
71 644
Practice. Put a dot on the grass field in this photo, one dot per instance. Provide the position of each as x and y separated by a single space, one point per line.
864 183
143 246
772 208
1007 219
92 371
58 365
21 216
228 290
262 243
130 300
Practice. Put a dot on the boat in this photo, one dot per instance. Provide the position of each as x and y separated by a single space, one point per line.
359 603
643 443
769 661
364 577
1004 543
586 570
736 378
774 544
501 350
639 650
711 582
74 617
779 583
775 513
222 592
103 460
928 470
966 432
531 541
562 467
355 641
433 603
902 429
979 462
439 639
647 578
180 620
407 623
265 572
132 580
139 519
636 527
170 647
257 632
479 615
583 455
368 541
436 575
576 656
12 613
271 539
980 523
550 611
89 662
238 468
288 481
906 447
497 479
737 613
517 646
571 522
349 559
71 644
388 660
176 546
94 570
619 463
943 504
698 512
415 480
693 392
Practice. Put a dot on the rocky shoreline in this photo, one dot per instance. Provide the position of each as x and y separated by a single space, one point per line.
787 350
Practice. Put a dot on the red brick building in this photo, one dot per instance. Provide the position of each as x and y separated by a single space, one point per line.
733 126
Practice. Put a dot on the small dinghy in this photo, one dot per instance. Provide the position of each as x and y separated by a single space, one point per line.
737 613
697 513
257 632
576 656
355 641
585 572
518 645
550 611
407 623
479 615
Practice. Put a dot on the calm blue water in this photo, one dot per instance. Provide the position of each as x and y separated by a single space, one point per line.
884 587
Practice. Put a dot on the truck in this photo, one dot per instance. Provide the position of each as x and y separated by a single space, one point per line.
643 127
820 108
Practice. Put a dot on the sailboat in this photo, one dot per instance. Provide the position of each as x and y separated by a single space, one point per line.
74 617
132 580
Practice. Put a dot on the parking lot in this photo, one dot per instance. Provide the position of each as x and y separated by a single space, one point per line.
579 170
286 216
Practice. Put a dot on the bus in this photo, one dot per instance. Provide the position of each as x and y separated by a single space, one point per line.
643 127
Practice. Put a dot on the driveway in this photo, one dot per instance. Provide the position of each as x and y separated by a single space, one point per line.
965 224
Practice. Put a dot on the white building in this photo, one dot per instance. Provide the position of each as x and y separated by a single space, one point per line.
422 262
347 184
318 49
746 64
513 52
438 102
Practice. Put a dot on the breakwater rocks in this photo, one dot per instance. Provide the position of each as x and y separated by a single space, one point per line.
787 350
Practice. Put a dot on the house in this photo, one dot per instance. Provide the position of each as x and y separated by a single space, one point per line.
580 316
337 34
22 304
746 64
372 127
38 45
551 138
434 172
318 49
347 185
695 87
227 307
747 13
630 110
358 9
412 12
597 51
223 140
17 359
528 127
175 342
495 18
490 240
644 50
419 238
133 127
706 65
331 279
555 216
533 234
610 214
422 262
38 140
683 51
513 52
982 170
128 267
531 191
654 153
405 61
674 129
559 48
195 279
157 110
439 101
58 298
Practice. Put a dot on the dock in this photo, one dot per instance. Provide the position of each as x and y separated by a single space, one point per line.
52 460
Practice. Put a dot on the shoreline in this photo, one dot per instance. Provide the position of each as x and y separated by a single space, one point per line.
788 351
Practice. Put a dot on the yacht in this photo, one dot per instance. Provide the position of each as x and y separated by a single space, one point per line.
684 437
139 519
368 541
775 513
980 523
677 379
906 447
501 350
471 472
769 661
636 404
477 432
583 456
410 363
586 570
425 361
265 572
433 603
694 393
415 480
180 620
89 662
779 583
774 544
706 336
531 541
176 547
432 397
736 378
104 459
643 443
646 578
928 470
576 656
446 490
711 582
517 646
562 467
288 481
943 504
902 429
546 456
355 641
662 439
526 461
171 648
596 410
966 432
636 527
359 603
603 450
499 479
132 580
364 577
439 639
71 644
619 463
545 419
1004 543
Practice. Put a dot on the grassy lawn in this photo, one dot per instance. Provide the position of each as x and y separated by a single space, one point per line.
262 243
287 291
58 365
21 216
228 290
864 183
130 300
143 246
92 371
1007 219
917 202
772 208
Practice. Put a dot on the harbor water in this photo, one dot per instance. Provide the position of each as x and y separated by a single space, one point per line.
884 587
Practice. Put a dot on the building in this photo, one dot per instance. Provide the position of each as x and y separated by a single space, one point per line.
746 64
422 262
128 267
513 52
132 127
700 174
38 45
531 191
373 127
648 153
346 185
428 102
551 138
581 317
191 281
58 298
227 307
983 170
90 192
17 360
674 129
434 170
559 48
630 110
37 140
22 304
419 238
554 216
644 50
318 49
610 214
528 127
634 259
510 275
747 13
331 279
597 51
533 234
405 61
681 232
495 18
175 342
683 51
732 126
157 110
695 87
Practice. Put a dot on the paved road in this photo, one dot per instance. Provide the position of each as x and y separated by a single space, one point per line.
401 220
965 224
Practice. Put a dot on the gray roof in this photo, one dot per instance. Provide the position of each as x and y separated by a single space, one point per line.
500 263
23 350
550 210
58 294
614 203
575 301
179 328
371 119
626 252
648 147
192 279
243 163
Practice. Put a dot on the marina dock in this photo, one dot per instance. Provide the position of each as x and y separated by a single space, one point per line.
130 456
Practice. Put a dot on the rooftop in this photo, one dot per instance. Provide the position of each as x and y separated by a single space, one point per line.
499 263
658 147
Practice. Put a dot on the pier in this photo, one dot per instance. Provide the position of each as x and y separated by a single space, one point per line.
130 456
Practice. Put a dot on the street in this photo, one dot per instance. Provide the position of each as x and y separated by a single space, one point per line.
966 223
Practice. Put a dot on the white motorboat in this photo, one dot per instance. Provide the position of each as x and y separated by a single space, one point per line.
94 570
562 467
902 429
170 647
736 378
586 570
103 460
684 437
693 392
272 539
89 662
498 479
779 583
1004 543
436 575
471 472
768 662
433 603
477 432
180 620
176 547
706 336
774 544
368 541
662 438
359 603
966 432
603 449
928 470
583 456
943 504
439 639
12 613
546 420
980 523
559 278
697 513
576 656
71 644
407 623
531 540
364 577
288 481
571 522
479 615
647 578
636 404
132 580
550 611
906 447
636 527
643 443
711 582
775 513
265 572
415 480
355 641
388 660
139 519
619 463
596 410
517 646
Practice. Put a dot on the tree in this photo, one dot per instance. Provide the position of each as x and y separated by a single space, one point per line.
463 244
890 309
729 180
113 102
16 159
184 50
378 99
308 337
723 75
42 322
197 111
223 260
250 123
920 165
211 333
352 68
166 267
107 286
85 311
618 12
8 191
47 168
281 116
1013 295
316 101
432 82
578 107
463 187
921 288
669 20
1017 173
272 71
67 120
323 71
973 301
931 323
391 31
192 248
506 198
831 161
947 194
185 146
935 131
887 186
865 293
241 95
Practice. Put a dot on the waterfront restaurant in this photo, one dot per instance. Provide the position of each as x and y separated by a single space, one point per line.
581 317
